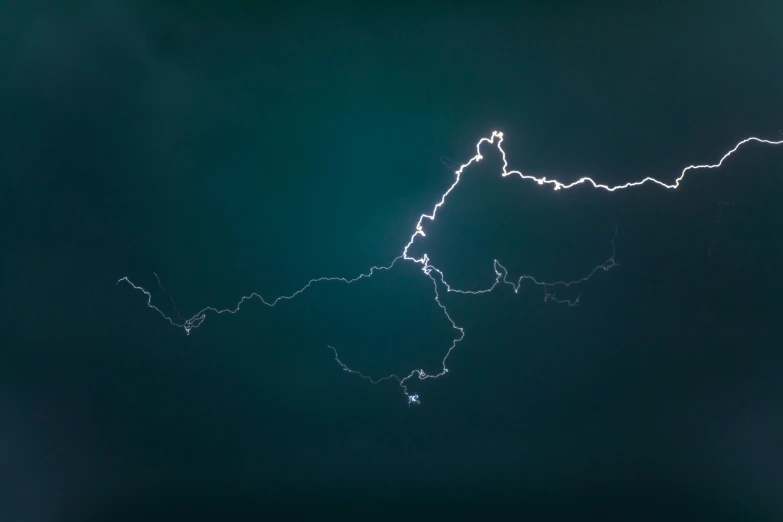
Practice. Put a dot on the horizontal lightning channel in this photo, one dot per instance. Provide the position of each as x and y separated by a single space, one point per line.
436 276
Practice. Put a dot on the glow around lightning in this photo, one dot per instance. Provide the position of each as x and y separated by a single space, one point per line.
436 276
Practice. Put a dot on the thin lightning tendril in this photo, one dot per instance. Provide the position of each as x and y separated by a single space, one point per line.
436 276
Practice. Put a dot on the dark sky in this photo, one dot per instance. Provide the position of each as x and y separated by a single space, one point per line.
231 148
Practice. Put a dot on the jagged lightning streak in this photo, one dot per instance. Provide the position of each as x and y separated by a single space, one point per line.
436 276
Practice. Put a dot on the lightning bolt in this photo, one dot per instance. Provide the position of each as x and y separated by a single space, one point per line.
435 275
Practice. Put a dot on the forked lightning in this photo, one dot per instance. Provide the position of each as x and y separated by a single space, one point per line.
436 276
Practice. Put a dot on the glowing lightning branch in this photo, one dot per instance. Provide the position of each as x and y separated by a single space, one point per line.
436 275
196 320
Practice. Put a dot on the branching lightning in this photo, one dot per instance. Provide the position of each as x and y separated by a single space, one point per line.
436 276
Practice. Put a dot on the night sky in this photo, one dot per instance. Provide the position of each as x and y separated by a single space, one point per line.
231 148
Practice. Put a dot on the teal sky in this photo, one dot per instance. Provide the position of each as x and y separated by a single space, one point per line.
231 148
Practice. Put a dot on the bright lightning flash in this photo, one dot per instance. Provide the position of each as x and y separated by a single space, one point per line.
436 275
